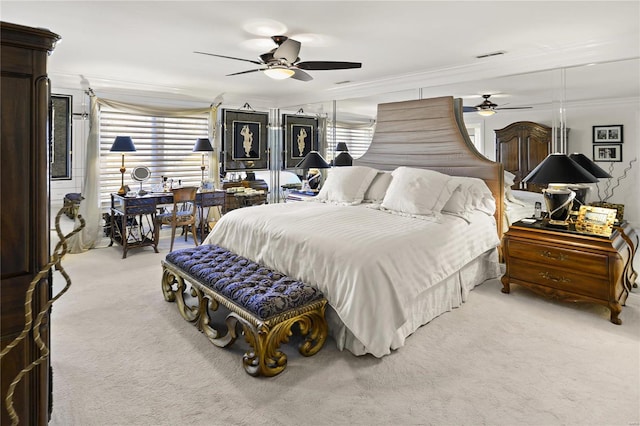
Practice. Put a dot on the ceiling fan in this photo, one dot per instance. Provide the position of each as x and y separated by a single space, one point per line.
487 107
282 61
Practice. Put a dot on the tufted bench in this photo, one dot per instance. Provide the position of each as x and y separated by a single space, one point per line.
264 302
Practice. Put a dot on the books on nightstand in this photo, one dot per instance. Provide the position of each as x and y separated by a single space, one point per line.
297 195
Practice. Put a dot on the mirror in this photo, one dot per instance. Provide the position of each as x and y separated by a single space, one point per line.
141 174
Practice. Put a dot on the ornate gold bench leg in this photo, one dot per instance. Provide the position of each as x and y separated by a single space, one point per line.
169 279
265 358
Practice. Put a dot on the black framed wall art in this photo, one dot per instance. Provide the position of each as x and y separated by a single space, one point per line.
245 140
60 136
300 138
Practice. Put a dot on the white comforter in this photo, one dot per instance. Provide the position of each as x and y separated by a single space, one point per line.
369 264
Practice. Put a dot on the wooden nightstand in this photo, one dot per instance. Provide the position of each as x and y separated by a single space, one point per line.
567 265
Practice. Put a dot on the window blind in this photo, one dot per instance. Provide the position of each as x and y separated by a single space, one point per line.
163 144
357 137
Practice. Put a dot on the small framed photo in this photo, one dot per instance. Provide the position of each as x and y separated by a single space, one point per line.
245 140
607 134
609 153
300 137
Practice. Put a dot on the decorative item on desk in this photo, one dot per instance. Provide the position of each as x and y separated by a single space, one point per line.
343 158
313 160
555 170
122 144
202 145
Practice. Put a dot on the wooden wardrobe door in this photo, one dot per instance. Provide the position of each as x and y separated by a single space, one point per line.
520 147
24 190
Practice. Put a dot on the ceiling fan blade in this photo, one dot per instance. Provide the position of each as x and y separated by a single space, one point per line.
327 65
288 51
301 75
245 72
230 57
527 107
469 109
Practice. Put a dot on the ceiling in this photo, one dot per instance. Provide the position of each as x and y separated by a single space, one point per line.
146 49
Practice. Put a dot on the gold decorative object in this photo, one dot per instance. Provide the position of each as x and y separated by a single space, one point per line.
596 220
618 207
264 336
34 326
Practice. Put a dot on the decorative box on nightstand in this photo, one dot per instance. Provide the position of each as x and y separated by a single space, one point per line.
567 265
297 195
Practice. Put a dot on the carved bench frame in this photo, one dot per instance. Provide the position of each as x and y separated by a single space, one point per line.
263 335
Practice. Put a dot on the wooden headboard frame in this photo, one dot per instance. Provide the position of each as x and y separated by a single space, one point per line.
430 134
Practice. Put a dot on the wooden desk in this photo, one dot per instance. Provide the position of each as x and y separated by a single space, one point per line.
132 218
568 265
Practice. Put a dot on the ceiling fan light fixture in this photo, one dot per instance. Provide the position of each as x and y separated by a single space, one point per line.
486 112
279 73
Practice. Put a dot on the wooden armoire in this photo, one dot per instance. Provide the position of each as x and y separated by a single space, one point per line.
520 147
24 208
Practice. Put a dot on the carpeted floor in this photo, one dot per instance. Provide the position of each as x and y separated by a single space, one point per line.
121 355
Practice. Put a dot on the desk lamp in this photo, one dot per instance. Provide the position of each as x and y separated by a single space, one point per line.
122 144
344 158
313 160
202 145
591 167
555 170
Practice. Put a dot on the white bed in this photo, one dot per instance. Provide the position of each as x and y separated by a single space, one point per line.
384 274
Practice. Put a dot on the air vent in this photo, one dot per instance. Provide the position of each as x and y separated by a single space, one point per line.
487 55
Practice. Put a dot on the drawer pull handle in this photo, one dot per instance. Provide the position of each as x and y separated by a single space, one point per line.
548 276
547 253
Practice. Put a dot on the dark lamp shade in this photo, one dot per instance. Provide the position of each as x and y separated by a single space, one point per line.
313 160
342 147
559 168
202 145
123 144
586 163
343 159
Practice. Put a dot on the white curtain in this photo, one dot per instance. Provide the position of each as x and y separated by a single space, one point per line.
90 208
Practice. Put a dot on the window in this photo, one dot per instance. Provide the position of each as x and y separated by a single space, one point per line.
163 144
357 136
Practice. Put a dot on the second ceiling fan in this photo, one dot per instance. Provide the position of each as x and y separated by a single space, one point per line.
487 107
282 61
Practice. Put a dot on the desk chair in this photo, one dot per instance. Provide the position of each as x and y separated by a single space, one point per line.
183 214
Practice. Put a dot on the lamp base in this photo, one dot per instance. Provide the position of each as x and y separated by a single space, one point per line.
122 191
559 202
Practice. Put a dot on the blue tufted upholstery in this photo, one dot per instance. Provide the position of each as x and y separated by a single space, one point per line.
258 289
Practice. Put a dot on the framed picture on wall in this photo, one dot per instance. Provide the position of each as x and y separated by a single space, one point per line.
607 134
609 153
60 136
245 140
300 138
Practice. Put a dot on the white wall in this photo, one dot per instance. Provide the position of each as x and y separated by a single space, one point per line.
579 119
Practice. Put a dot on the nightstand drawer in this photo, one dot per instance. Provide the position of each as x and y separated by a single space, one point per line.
585 262
559 278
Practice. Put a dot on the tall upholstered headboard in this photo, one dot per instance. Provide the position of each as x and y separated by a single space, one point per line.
430 134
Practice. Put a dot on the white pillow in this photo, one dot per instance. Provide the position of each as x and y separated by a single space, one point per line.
377 189
470 194
346 185
418 191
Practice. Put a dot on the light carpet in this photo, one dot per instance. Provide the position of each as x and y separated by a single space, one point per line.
121 355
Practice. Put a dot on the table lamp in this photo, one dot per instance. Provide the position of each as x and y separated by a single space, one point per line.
122 144
586 163
343 158
556 171
313 160
202 145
